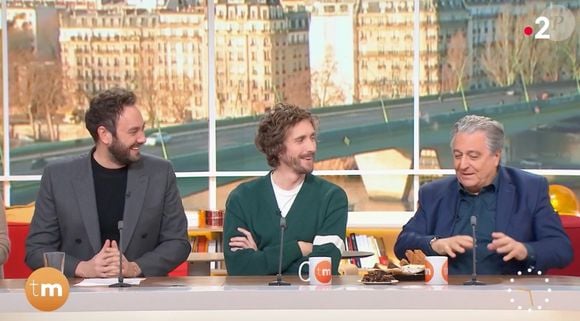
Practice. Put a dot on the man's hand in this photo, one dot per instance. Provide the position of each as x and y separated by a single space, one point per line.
504 244
103 264
130 269
452 245
305 248
243 242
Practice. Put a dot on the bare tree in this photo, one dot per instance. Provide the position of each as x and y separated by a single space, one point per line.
324 90
455 63
179 99
47 83
40 96
553 62
146 82
378 87
453 74
21 71
511 55
533 53
500 58
21 75
297 89
79 100
570 50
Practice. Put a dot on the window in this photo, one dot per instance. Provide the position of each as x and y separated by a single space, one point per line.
327 71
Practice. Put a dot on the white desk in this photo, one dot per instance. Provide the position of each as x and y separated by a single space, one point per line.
240 298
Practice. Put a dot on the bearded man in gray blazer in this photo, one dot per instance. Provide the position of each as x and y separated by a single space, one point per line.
81 201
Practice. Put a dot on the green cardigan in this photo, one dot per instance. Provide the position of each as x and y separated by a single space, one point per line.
320 208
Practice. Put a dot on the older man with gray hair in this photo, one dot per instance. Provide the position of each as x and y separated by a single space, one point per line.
517 228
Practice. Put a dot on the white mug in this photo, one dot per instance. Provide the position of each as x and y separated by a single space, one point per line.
319 271
436 270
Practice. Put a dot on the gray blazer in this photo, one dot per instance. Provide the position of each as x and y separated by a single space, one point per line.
4 240
65 218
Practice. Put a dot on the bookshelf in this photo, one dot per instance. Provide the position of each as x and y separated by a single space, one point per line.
207 256
386 236
194 231
200 263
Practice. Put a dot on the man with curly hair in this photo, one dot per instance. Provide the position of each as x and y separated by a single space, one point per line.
315 209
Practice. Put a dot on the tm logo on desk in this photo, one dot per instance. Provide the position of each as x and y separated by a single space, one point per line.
46 289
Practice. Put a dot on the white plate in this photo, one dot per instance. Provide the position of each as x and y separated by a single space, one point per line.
379 283
412 269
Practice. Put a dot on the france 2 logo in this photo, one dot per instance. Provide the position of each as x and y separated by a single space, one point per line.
555 23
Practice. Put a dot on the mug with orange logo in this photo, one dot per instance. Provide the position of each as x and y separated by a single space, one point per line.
436 270
319 271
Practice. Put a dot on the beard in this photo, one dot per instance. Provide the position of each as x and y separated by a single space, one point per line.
295 164
122 154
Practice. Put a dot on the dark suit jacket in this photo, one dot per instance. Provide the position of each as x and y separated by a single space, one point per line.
65 218
524 213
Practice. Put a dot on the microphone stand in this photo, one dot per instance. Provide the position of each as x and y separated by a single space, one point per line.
279 281
474 280
120 283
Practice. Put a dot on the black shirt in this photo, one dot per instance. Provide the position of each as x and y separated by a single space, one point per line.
110 187
484 206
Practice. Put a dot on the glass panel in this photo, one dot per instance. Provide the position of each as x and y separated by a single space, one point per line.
443 56
56 68
261 58
376 192
358 78
365 193
194 193
22 193
225 186
491 60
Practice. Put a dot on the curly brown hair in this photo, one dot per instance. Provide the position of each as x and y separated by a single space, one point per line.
274 126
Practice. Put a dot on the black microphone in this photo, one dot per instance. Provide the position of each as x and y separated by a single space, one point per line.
120 283
279 281
474 280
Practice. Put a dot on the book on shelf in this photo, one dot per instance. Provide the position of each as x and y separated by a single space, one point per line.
212 248
199 243
203 244
383 259
366 243
354 247
192 219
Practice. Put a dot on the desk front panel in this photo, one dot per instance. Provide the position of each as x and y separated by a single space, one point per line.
223 294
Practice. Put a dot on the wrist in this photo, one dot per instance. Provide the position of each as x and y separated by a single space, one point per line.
80 270
134 270
432 243
305 248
